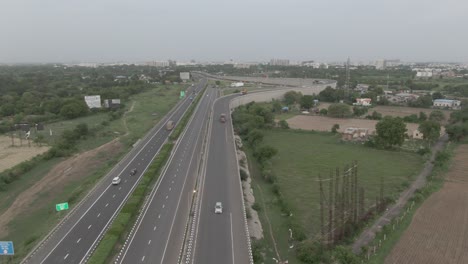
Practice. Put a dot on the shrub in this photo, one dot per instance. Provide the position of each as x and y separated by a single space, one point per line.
243 175
257 207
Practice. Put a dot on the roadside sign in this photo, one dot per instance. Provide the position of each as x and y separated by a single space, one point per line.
182 94
6 248
61 206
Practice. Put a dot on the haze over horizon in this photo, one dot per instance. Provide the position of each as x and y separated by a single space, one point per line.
241 30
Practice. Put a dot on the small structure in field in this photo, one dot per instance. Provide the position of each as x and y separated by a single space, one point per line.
355 134
363 102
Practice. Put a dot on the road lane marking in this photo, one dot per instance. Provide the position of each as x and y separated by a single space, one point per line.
89 226
120 188
167 196
66 256
125 181
143 259
78 241
99 215
164 205
154 229
113 196
107 204
159 216
149 242
232 239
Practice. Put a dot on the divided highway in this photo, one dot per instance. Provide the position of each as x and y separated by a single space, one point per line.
221 238
76 237
159 233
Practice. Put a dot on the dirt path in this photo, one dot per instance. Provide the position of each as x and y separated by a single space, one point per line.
369 234
438 232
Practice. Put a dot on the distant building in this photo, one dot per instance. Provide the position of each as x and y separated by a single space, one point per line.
111 103
363 102
381 65
159 63
424 74
355 134
184 76
279 62
447 103
93 101
362 88
237 84
242 65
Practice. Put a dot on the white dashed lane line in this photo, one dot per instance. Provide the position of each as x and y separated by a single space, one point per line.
78 241
120 188
66 256
143 259
107 204
99 215
159 215
113 196
167 196
163 206
89 226
149 242
154 229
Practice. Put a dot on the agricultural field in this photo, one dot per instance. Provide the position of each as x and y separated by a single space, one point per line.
438 232
302 156
11 155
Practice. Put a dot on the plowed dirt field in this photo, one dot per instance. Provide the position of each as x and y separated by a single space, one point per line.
439 230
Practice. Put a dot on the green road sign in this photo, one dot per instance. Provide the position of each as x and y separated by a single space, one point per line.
61 206
182 94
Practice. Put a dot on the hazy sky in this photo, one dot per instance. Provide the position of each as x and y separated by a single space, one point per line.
242 30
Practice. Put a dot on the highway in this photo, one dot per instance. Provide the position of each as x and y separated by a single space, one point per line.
76 237
159 233
221 238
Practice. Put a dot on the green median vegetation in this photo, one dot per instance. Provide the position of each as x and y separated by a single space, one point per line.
122 223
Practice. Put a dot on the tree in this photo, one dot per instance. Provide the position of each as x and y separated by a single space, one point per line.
81 130
265 153
437 95
422 116
390 132
359 110
339 110
335 128
307 101
422 101
430 130
255 137
292 97
217 82
73 109
323 111
437 116
283 124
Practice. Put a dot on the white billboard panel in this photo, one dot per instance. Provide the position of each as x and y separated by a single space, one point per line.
185 76
93 101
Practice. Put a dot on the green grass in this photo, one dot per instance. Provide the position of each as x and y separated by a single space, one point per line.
301 157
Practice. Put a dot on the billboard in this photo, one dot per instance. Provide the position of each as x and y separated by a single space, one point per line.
185 76
93 101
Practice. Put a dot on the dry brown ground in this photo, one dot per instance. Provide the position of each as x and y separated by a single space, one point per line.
70 170
439 230
322 123
400 111
13 155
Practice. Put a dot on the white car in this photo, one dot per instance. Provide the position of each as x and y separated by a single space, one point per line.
116 180
218 208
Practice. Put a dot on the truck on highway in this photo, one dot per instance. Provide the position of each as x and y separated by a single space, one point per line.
222 118
169 125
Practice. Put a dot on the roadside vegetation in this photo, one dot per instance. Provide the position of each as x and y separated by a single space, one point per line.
285 166
29 223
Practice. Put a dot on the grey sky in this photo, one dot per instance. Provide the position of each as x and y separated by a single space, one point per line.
242 30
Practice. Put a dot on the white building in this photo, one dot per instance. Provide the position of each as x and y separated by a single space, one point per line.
447 103
363 101
237 84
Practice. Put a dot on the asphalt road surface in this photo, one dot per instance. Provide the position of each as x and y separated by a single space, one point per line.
159 234
221 238
75 238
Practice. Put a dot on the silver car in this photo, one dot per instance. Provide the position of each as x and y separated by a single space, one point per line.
218 208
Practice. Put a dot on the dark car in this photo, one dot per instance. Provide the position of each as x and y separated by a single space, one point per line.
133 172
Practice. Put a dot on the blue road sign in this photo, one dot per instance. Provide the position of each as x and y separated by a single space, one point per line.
6 248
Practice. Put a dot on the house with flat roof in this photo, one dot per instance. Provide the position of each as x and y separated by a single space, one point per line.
447 103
